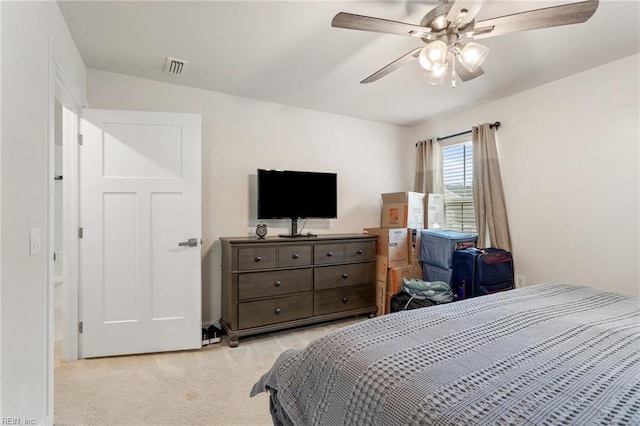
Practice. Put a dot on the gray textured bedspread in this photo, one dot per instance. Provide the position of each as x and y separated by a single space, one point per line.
546 354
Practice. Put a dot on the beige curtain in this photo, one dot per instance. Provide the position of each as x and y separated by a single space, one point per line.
428 167
488 195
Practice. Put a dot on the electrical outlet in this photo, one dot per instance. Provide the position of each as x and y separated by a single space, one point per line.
520 281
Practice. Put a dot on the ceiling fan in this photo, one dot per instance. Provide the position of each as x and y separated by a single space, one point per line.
448 30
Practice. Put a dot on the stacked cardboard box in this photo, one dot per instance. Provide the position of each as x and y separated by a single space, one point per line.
397 249
403 210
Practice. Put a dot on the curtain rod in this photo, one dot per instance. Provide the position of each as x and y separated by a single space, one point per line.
495 125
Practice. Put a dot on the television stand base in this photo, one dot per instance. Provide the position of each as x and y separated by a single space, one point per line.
297 235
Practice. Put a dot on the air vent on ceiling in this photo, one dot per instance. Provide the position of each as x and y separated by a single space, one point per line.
175 66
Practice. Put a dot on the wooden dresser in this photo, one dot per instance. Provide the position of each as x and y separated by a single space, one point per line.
275 283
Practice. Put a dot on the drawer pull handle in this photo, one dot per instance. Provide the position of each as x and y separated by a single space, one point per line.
360 251
278 310
296 255
345 300
329 254
277 283
345 275
258 259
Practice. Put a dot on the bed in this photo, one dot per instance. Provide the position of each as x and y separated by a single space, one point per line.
545 354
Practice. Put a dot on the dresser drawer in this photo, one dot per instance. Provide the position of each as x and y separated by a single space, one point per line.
256 258
360 251
324 254
343 275
291 256
344 299
254 285
273 311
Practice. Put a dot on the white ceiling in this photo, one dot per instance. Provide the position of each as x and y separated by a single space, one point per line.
287 52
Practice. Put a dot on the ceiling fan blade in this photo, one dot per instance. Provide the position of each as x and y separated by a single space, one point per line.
368 23
464 73
393 66
566 14
472 7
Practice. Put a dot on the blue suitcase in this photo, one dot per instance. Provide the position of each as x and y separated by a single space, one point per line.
477 272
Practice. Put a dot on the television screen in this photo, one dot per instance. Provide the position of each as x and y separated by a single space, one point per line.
284 194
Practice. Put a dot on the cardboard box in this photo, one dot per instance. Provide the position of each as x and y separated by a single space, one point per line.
414 246
394 280
392 244
403 210
382 266
436 218
380 297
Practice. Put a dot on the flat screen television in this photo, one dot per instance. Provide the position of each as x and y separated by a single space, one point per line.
287 194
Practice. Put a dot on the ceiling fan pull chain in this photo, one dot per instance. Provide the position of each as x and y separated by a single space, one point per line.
453 72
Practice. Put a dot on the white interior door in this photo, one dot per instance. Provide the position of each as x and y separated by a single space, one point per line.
139 199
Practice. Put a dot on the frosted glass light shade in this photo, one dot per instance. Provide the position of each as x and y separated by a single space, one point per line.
436 76
473 55
433 55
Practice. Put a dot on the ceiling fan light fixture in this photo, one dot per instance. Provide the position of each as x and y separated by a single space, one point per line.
436 76
472 55
433 55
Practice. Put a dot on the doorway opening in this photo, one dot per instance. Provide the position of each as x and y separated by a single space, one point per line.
63 243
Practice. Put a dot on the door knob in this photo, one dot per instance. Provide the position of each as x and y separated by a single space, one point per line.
191 242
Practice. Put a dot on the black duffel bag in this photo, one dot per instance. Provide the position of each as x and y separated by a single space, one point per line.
403 301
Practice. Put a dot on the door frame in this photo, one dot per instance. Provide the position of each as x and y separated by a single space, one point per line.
62 88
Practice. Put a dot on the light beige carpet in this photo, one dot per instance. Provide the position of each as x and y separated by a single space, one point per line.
205 387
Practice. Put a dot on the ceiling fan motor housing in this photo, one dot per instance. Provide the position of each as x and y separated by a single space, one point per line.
436 21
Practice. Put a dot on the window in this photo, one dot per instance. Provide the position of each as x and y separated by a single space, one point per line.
457 174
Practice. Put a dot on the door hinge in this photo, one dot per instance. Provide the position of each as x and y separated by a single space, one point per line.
81 139
55 258
80 232
80 326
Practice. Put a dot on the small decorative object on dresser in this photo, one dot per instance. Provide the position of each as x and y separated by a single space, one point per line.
275 283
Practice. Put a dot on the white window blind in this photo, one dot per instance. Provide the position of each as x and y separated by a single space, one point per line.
457 173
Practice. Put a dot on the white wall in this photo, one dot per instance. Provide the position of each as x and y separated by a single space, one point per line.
27 29
569 154
240 135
